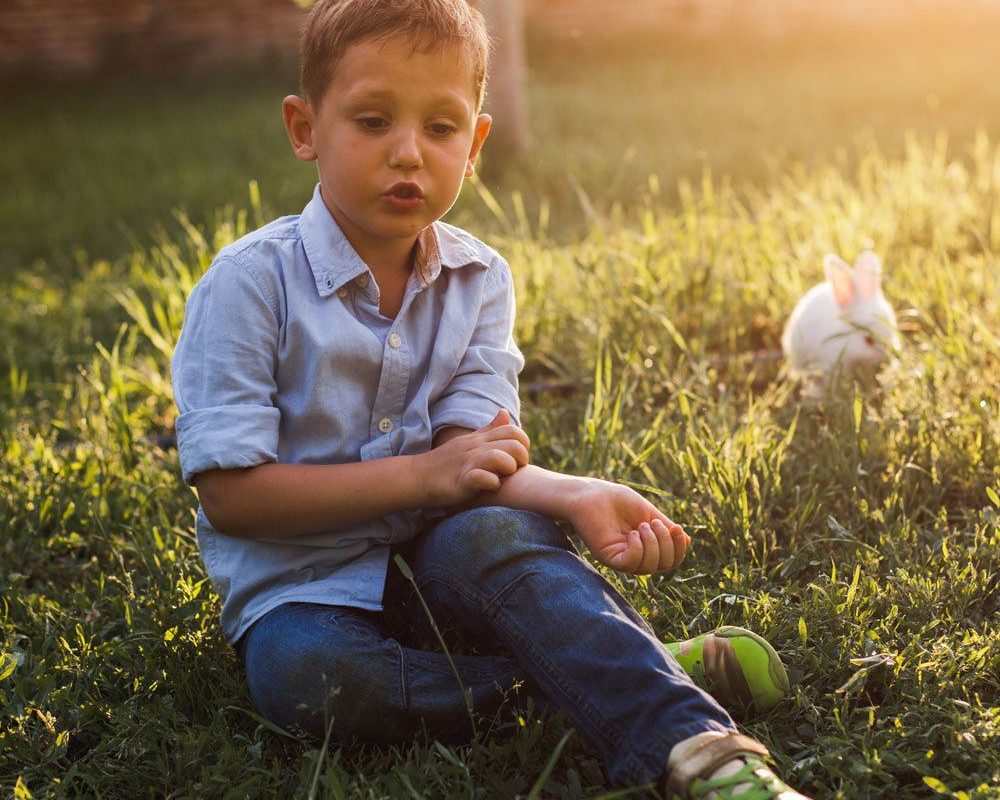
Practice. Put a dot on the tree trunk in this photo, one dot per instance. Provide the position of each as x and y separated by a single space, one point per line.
505 99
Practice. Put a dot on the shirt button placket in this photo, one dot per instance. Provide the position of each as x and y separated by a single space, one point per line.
396 374
385 424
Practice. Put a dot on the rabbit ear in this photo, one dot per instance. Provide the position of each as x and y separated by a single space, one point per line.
868 274
838 272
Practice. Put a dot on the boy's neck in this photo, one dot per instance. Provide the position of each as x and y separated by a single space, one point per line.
386 258
390 264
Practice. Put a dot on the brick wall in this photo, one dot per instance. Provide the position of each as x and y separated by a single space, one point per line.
83 38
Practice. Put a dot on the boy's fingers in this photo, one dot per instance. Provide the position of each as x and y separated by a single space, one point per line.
621 554
516 448
498 461
663 518
624 556
507 432
502 418
680 541
511 447
650 550
481 480
669 557
520 453
681 544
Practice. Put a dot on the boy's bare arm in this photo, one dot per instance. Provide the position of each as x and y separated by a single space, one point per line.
621 528
294 499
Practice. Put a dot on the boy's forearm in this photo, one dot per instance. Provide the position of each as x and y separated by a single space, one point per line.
532 488
293 499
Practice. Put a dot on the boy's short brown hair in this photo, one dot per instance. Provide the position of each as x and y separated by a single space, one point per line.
334 25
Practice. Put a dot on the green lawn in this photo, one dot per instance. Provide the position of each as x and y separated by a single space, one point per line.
858 533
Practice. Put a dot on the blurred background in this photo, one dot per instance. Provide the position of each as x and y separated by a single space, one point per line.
118 113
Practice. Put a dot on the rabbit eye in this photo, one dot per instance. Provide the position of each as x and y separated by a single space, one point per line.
869 341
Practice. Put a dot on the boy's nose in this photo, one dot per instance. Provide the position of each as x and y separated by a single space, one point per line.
405 152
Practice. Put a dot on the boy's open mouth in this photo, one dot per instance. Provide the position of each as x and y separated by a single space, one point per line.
406 191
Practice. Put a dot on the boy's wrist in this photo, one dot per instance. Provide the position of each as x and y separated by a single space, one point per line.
545 492
575 493
418 474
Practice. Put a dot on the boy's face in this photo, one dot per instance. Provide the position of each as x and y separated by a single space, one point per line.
394 135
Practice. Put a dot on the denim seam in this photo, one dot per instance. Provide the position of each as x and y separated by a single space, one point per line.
447 670
403 688
495 602
431 666
606 729
474 596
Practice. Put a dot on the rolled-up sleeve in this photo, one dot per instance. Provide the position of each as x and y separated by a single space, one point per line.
486 379
223 372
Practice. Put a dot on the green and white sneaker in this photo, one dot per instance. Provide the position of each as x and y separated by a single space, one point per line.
724 768
754 781
737 667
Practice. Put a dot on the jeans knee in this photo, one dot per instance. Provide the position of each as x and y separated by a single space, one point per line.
483 537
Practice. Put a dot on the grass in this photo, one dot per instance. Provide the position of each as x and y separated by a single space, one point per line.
859 533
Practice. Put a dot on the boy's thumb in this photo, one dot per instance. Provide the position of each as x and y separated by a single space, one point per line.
502 418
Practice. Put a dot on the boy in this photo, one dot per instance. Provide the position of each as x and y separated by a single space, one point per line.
346 375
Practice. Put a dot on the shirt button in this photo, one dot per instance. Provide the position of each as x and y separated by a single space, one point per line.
385 425
328 281
395 340
342 291
361 280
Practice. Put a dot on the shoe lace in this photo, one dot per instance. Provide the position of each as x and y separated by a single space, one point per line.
759 783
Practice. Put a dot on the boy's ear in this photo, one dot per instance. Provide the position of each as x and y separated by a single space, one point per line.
298 114
483 123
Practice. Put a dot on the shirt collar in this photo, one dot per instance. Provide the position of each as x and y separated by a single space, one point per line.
334 261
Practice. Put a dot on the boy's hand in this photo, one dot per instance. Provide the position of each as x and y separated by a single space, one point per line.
462 467
625 531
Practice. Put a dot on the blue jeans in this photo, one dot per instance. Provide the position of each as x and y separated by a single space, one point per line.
509 586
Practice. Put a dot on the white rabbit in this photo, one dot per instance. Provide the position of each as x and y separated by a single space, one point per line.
844 323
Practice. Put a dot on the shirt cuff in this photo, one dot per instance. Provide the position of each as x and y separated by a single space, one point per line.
469 410
227 437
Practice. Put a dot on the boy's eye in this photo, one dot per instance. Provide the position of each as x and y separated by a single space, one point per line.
372 124
441 128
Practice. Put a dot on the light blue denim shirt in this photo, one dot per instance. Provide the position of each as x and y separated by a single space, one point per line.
284 357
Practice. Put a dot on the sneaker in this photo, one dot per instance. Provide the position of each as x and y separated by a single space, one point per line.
738 668
711 766
754 781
